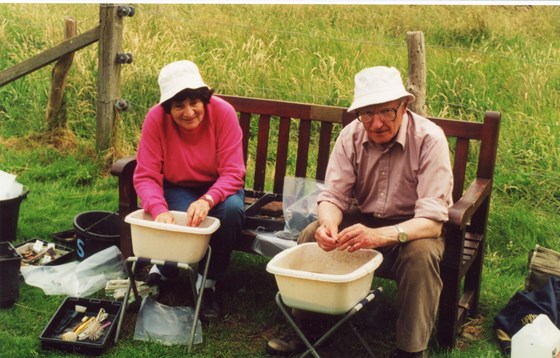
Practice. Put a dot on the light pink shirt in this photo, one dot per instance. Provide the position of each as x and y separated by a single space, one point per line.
411 177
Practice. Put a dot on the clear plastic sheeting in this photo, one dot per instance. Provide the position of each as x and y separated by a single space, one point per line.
268 244
77 279
166 325
299 203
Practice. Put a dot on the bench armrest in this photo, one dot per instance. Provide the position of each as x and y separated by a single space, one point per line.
124 170
462 211
123 165
466 223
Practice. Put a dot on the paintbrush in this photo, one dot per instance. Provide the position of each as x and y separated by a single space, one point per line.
72 336
69 318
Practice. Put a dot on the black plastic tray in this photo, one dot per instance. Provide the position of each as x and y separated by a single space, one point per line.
65 254
254 219
50 338
67 238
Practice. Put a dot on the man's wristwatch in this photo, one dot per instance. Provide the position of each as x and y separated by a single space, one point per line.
402 235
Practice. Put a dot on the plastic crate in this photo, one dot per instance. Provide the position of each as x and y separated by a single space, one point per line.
60 323
63 254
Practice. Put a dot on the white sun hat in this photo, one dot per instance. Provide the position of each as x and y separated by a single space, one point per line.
376 85
177 76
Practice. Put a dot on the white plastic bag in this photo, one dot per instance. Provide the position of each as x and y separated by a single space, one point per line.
9 187
299 203
77 279
167 325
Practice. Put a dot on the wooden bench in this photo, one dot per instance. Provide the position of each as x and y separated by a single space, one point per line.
280 136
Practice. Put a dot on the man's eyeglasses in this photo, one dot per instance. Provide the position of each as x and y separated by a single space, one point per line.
386 114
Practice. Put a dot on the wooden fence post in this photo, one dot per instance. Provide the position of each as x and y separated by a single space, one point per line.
416 83
108 77
56 113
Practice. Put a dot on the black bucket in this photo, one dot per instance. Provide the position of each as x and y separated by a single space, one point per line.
10 262
95 231
9 215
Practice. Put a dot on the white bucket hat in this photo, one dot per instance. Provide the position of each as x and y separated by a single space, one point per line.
376 85
177 76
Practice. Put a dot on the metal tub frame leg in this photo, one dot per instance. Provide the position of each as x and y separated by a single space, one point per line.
311 348
192 279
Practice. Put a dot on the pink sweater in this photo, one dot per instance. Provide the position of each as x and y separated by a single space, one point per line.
211 154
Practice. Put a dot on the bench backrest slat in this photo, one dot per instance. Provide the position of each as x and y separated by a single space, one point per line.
281 154
324 149
262 152
304 138
460 166
245 123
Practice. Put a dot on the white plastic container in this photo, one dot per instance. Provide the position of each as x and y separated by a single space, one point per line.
539 339
332 282
170 242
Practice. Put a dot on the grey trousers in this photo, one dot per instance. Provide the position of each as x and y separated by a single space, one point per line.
415 267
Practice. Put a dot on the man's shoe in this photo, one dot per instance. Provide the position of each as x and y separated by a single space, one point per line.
285 346
397 353
209 308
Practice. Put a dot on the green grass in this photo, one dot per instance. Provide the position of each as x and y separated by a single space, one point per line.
502 58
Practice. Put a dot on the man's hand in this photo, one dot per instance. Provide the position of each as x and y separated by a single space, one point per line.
359 236
326 236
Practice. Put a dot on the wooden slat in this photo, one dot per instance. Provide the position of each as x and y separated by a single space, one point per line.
262 150
48 56
488 145
456 128
281 154
324 150
460 167
471 249
303 148
287 109
245 123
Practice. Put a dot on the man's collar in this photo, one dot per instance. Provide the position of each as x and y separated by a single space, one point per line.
401 134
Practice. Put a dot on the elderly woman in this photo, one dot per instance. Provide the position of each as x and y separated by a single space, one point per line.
190 159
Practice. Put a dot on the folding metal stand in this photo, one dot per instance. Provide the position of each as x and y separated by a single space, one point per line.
311 348
192 279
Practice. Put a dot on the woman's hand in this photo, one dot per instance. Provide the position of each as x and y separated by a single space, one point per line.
166 218
197 212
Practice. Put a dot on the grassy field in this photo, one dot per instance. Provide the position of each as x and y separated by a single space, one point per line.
501 58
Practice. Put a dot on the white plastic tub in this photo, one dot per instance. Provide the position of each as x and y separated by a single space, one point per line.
332 282
170 242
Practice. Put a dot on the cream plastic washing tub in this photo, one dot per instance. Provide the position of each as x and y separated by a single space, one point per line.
170 242
312 279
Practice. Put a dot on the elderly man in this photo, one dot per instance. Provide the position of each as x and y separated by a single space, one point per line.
388 187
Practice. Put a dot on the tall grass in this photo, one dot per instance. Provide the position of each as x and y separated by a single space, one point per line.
479 58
